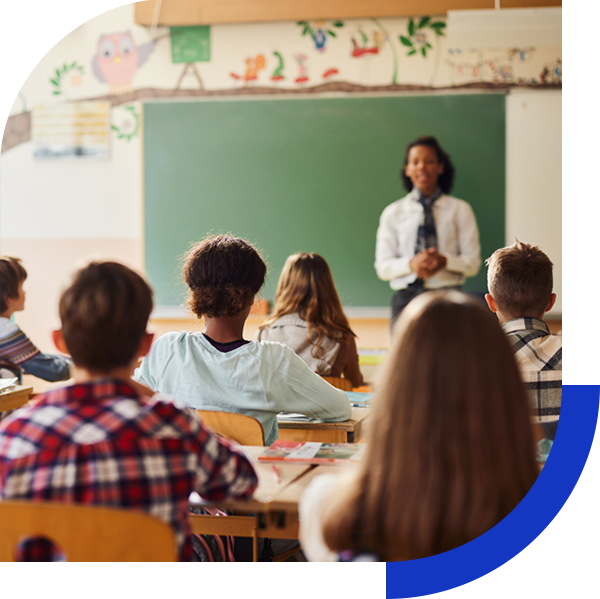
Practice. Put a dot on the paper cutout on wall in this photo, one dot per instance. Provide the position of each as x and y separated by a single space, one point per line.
117 60
128 123
71 131
278 72
190 44
418 37
302 70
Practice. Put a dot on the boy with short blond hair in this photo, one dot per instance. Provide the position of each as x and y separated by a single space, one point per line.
520 292
17 353
106 440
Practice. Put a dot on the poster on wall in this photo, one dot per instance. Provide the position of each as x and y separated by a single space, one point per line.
77 131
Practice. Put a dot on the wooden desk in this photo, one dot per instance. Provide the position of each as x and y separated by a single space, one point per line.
17 397
273 507
349 431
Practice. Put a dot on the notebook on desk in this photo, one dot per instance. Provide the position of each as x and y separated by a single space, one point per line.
312 452
359 400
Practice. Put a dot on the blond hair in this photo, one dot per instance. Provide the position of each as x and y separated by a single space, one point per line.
450 448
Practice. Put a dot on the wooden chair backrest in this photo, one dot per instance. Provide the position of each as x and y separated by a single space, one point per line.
243 429
87 533
339 383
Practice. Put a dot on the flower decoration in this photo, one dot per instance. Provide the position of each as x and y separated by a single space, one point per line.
129 125
417 39
69 74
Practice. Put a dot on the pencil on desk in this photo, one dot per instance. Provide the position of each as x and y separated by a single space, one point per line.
275 474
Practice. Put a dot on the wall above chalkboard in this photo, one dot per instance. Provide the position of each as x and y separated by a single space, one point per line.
308 175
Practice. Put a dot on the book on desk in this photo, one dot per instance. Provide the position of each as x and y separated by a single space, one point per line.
357 400
312 453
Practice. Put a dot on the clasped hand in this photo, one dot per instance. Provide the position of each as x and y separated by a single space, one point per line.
427 262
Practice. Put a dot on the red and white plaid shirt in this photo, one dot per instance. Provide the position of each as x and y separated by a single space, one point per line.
100 443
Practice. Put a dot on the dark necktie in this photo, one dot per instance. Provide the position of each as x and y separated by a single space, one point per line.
427 234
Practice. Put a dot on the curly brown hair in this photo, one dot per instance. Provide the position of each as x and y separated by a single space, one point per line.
223 274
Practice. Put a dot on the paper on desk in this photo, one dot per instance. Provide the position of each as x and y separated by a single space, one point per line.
288 417
7 384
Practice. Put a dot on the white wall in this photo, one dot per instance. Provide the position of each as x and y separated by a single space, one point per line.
534 175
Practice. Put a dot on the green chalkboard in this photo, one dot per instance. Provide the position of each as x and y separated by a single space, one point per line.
309 175
190 44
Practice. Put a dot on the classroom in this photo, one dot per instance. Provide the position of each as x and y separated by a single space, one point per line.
286 127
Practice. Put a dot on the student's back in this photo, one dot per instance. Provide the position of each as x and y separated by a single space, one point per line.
520 292
450 447
308 318
101 441
219 369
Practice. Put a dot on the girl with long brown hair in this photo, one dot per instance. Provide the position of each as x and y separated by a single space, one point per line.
450 446
308 317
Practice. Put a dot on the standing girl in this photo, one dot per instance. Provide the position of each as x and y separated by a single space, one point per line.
428 239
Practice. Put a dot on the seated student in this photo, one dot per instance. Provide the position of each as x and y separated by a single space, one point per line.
17 352
100 441
308 317
450 447
219 369
520 292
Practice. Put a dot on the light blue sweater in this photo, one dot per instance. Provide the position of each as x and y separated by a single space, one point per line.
259 379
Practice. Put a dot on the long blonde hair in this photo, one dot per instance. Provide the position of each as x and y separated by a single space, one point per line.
450 449
306 287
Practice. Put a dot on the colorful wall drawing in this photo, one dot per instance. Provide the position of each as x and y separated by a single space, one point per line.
117 60
253 66
320 32
350 56
278 72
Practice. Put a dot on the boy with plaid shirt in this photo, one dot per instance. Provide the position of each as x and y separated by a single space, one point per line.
106 440
520 292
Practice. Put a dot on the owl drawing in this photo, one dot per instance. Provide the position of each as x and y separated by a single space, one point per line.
117 60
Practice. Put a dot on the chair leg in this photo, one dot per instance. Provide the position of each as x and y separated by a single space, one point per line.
254 545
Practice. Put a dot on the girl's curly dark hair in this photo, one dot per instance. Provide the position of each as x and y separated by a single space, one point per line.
223 274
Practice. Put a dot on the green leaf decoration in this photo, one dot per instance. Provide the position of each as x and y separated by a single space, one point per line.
56 93
305 30
73 65
424 51
338 23
80 69
423 22
54 82
301 23
438 25
114 128
413 51
363 36
406 41
428 45
57 73
65 67
331 33
411 27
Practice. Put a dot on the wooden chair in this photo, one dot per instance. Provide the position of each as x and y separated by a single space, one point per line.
339 383
243 429
87 533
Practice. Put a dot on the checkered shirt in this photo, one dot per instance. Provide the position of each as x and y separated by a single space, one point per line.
100 443
539 356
